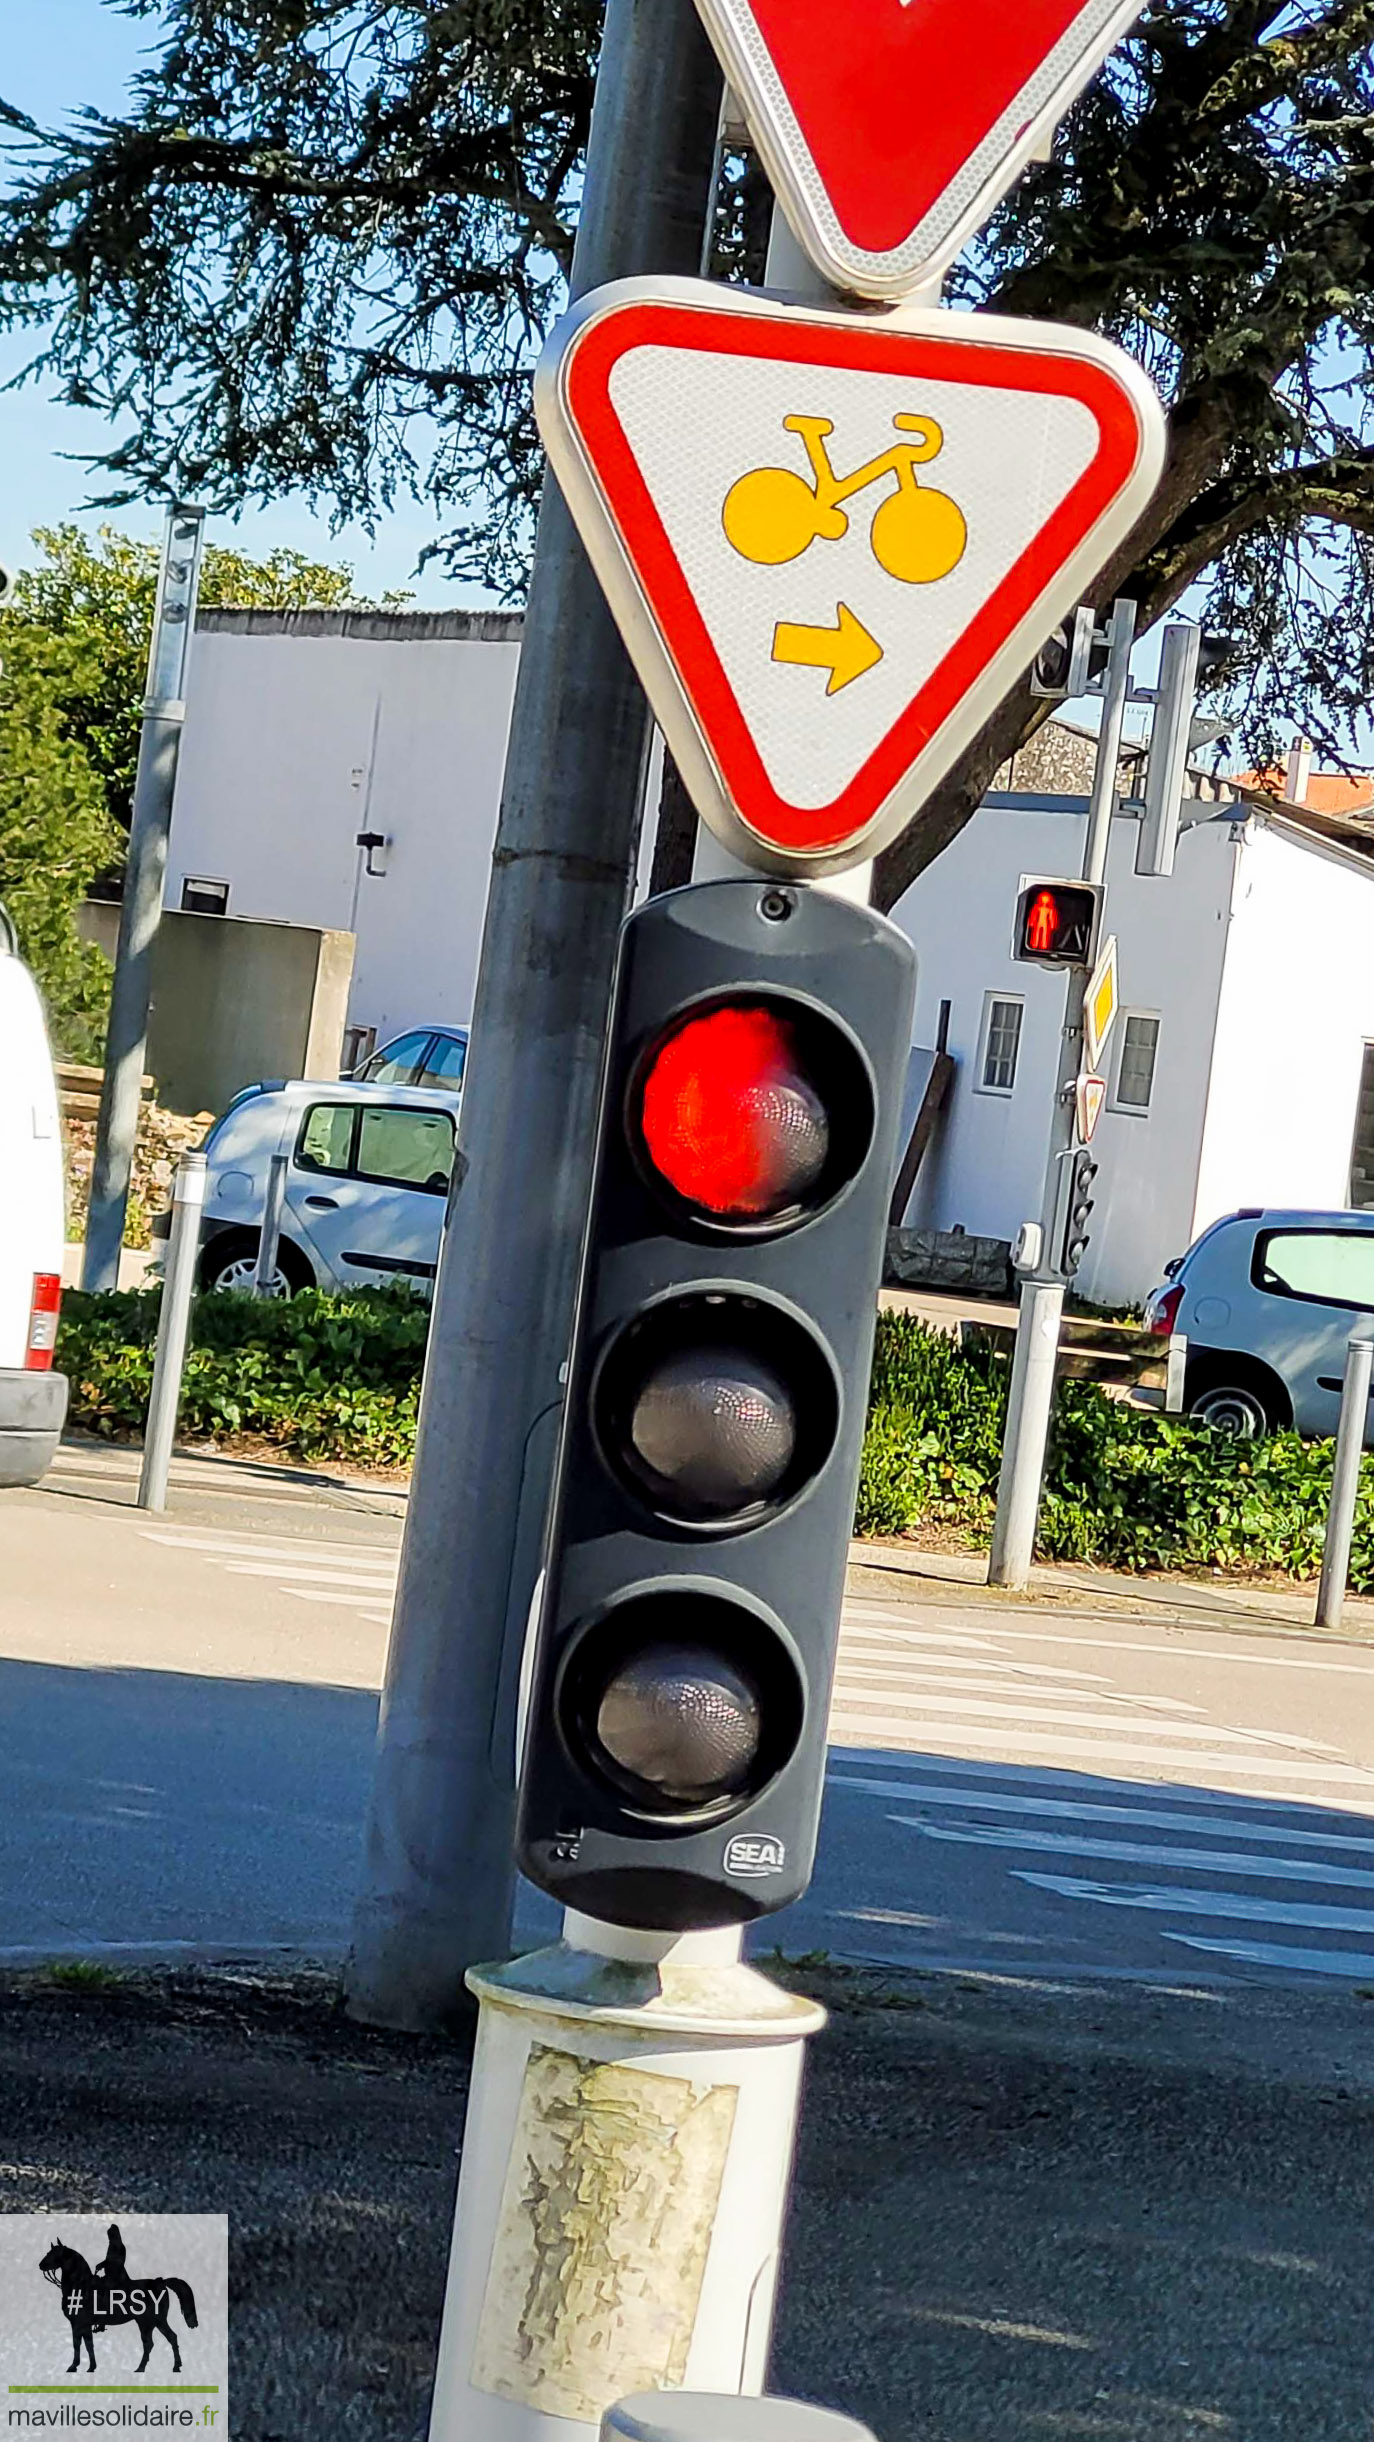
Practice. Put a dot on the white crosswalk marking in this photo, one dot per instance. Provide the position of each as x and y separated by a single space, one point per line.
1220 1829
357 1576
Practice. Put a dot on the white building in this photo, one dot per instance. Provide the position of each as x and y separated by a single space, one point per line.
1239 1068
305 728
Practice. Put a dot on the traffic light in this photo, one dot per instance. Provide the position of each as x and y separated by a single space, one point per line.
1071 660
1080 1171
1166 768
675 1735
1057 923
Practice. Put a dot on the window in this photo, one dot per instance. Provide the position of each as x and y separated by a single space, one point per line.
406 1149
398 1063
1362 1159
1001 1044
1333 1267
202 898
1135 1071
445 1063
326 1138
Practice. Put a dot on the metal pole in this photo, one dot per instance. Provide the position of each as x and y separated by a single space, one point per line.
269 1237
173 1326
164 714
699 2416
1031 1400
438 1875
1345 1482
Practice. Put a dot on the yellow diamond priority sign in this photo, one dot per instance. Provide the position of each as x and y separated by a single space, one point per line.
1100 1004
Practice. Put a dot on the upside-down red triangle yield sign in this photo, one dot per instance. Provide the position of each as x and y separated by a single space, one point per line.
891 128
833 542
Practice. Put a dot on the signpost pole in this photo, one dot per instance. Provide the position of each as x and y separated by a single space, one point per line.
438 1874
1031 1395
159 750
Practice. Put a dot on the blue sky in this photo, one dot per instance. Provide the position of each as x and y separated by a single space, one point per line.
57 56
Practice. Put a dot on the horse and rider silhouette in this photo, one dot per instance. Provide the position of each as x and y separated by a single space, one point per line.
92 2301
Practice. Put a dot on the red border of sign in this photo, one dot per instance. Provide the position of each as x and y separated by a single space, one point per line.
591 360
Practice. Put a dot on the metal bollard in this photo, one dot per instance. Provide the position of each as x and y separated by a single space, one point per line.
1345 1481
173 1324
265 1271
699 2416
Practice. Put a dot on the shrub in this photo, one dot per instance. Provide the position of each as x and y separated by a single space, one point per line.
1123 1488
337 1378
316 1376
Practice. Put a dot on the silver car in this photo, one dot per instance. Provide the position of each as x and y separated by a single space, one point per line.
367 1181
1268 1301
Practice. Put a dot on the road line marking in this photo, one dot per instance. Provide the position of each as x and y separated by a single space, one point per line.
1118 1750
248 1547
1237 1905
1135 1716
881 1657
1172 1649
327 1594
997 1683
371 1582
1276 1954
1144 1852
991 1801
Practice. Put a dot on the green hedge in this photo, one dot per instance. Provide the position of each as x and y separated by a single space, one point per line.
317 1377
337 1379
1123 1488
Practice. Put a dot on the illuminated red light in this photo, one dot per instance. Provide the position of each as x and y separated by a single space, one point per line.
1042 921
729 1117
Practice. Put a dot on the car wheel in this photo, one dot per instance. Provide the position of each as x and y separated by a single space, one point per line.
233 1266
1232 1407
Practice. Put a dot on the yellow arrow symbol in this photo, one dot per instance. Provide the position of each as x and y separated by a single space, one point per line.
845 650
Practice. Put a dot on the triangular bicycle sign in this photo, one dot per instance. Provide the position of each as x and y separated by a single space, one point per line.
832 544
891 131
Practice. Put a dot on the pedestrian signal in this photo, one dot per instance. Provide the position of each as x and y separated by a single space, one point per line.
1057 923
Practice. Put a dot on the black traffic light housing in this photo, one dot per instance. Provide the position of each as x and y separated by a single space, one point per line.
1057 923
1081 1168
1072 659
679 1689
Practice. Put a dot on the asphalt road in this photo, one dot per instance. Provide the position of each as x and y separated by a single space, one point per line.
1084 1785
1020 2214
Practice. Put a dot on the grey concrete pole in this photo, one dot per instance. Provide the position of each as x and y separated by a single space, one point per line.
695 2416
1345 1482
438 1875
173 1327
159 747
269 1237
1031 1397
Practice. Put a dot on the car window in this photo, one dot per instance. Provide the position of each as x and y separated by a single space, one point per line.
397 1063
1334 1266
400 1148
326 1138
447 1060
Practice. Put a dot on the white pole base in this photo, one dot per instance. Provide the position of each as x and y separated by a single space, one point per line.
625 2174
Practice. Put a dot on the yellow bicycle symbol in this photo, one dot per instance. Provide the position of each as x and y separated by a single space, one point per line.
773 514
